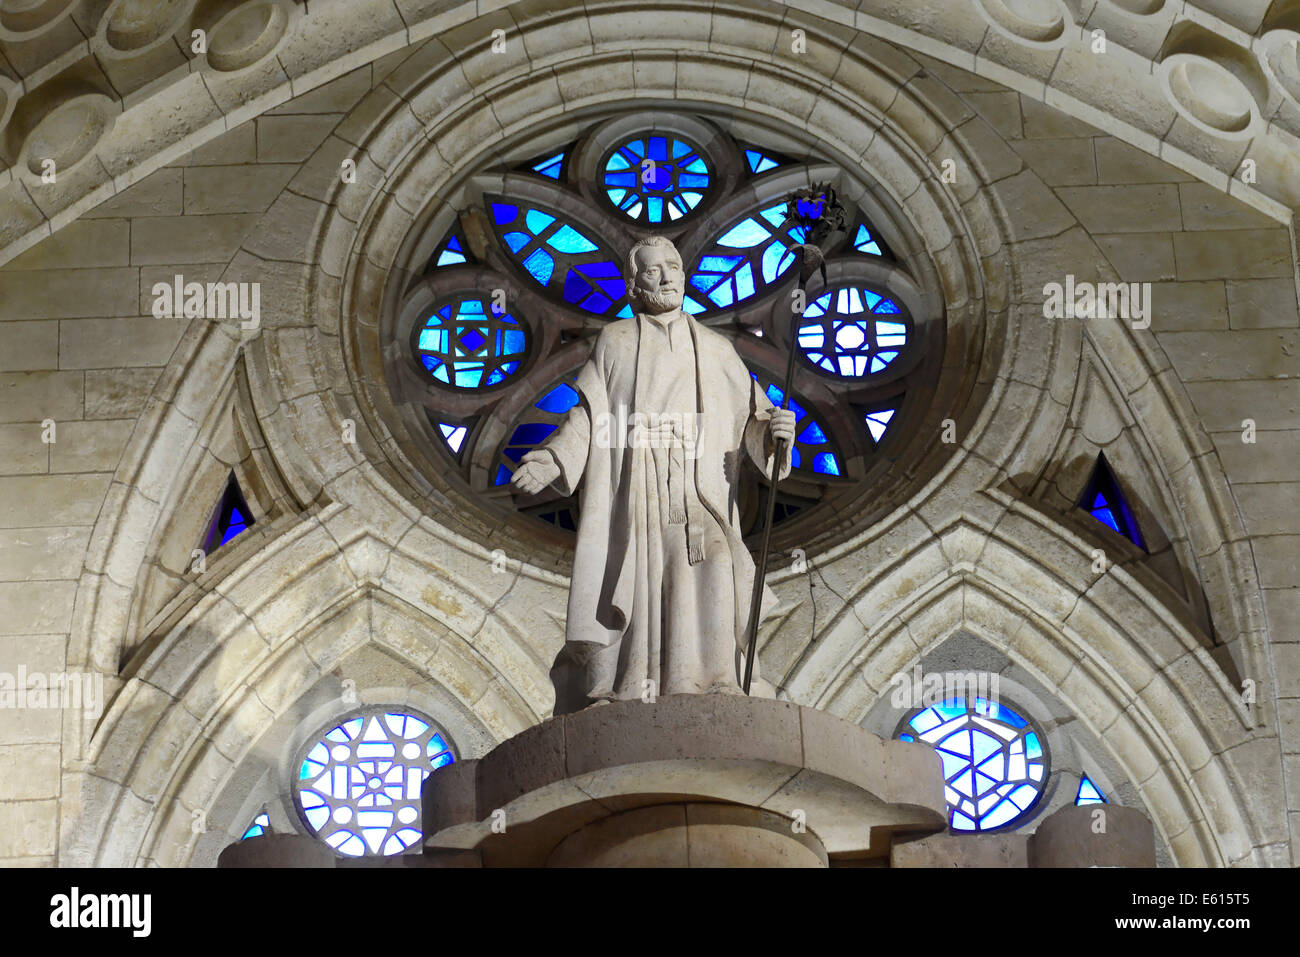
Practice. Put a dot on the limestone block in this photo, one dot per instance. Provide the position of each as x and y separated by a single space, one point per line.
1233 254
33 554
1067 838
1124 209
109 343
1283 608
32 500
90 446
234 189
234 147
29 346
87 243
1118 162
292 138
1032 209
335 96
1262 303
189 239
1060 162
28 828
22 451
68 293
1274 405
1278 559
29 772
1141 257
962 850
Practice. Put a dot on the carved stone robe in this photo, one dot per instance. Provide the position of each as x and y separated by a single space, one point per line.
633 595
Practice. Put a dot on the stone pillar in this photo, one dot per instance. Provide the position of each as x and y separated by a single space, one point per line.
278 850
1070 838
693 834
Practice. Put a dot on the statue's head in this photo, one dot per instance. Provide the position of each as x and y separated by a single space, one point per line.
655 280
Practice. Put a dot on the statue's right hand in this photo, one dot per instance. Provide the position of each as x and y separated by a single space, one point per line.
536 471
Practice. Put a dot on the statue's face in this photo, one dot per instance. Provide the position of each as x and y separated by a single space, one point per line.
660 282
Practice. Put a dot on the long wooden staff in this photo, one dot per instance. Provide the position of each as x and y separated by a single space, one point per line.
760 569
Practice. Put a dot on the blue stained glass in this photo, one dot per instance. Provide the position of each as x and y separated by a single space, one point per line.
705 283
453 435
1106 503
691 306
626 311
261 824
746 233
722 264
826 463
536 220
887 306
568 240
516 240
864 243
758 162
531 433
643 165
503 475
540 264
559 400
1089 793
723 295
551 167
796 460
237 525
993 764
813 435
504 213
471 346
452 253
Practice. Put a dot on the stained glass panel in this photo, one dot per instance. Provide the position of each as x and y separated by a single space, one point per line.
656 178
852 332
746 258
358 786
994 765
466 344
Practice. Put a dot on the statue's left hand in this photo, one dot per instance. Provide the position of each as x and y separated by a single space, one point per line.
781 426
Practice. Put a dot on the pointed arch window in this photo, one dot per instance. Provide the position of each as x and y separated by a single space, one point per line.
552 232
1104 501
232 517
1089 793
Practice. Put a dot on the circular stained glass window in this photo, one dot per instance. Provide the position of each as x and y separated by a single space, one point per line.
994 763
467 343
656 178
852 332
358 786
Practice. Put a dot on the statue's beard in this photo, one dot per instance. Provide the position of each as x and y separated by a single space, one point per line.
658 302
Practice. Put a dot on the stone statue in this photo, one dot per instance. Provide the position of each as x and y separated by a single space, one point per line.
662 581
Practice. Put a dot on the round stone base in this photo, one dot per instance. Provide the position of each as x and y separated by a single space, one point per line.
690 835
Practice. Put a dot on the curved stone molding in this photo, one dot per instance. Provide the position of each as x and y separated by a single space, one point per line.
557 782
132 27
10 92
62 124
242 35
1140 8
22 20
1040 23
1214 84
1279 53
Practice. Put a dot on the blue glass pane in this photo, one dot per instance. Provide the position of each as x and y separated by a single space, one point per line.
559 400
550 167
536 220
516 240
504 213
540 264
503 475
568 240
747 233
863 242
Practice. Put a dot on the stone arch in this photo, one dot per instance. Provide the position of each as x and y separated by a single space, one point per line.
1132 672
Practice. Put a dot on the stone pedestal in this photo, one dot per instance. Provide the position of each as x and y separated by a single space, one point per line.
278 850
690 780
